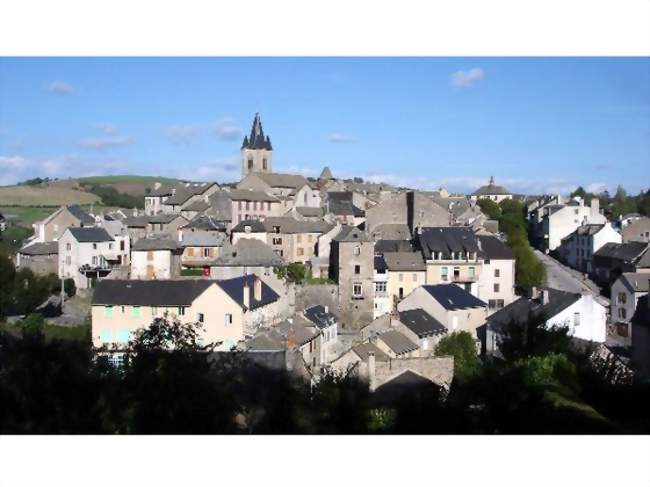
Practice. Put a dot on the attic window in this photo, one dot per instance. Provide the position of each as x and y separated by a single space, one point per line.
234 254
276 229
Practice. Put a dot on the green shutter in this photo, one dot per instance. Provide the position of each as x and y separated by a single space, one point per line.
108 312
135 311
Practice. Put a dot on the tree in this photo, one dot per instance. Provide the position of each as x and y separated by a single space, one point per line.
7 276
489 208
533 338
463 348
529 270
296 272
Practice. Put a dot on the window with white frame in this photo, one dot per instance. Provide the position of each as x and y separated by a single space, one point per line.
357 290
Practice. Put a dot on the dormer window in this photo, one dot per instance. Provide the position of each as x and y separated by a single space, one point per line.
276 229
247 229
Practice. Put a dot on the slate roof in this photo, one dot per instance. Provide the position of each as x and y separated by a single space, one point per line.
279 180
169 292
199 205
380 264
204 222
203 239
522 309
164 218
623 251
251 195
256 226
289 224
136 221
298 330
308 211
155 244
326 173
164 292
248 252
90 234
447 240
493 248
185 192
397 342
269 340
383 246
404 261
589 229
40 248
452 297
491 189
351 234
392 231
340 203
235 289
363 349
256 140
80 214
637 280
642 312
321 318
421 323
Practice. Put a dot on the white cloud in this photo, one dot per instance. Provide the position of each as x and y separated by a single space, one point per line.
182 134
338 138
103 143
107 128
465 79
222 170
13 162
226 129
60 87
597 188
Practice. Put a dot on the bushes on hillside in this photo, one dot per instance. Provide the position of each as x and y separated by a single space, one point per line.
111 197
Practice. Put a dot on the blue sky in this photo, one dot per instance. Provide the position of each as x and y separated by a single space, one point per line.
535 124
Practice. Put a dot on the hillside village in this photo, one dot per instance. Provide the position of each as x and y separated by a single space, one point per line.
350 276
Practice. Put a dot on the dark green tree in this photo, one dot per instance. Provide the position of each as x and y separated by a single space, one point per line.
489 208
462 346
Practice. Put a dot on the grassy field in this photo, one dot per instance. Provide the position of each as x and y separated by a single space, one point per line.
52 332
118 179
26 215
44 196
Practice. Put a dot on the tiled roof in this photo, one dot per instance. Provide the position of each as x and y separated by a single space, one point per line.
421 323
397 342
404 261
363 349
452 297
248 252
155 244
40 248
90 234
383 246
447 240
493 248
163 292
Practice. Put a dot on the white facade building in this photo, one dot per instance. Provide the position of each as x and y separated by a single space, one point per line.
561 221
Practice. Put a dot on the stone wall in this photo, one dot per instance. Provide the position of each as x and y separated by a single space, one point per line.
323 294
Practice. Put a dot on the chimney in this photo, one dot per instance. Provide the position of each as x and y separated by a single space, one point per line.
326 308
544 296
533 292
595 207
173 191
247 295
180 235
257 289
371 370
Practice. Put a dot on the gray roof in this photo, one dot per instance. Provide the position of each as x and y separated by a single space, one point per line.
200 205
622 251
340 203
169 292
321 318
289 224
451 296
155 244
397 342
278 180
421 323
447 240
256 140
40 248
205 222
351 234
589 229
165 218
392 231
383 246
251 195
80 214
185 192
363 349
90 234
265 341
491 189
521 310
309 211
136 221
637 280
298 331
202 239
493 248
254 226
248 252
326 173
404 261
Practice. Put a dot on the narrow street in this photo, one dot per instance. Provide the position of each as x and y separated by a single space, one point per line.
559 276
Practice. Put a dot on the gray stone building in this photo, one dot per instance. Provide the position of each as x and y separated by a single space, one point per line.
410 208
352 266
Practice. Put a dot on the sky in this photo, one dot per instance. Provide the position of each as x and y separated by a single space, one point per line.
535 124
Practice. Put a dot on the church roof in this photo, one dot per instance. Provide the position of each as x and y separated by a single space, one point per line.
326 174
256 139
491 189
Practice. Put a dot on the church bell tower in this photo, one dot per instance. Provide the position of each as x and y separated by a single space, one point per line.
256 150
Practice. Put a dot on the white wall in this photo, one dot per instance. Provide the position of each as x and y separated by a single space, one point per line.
593 319
162 263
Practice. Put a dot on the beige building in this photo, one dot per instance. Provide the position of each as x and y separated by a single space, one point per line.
293 189
53 227
87 254
249 204
452 306
226 310
406 271
637 231
155 258
200 249
492 192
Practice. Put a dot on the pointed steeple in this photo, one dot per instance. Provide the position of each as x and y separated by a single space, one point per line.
491 180
257 140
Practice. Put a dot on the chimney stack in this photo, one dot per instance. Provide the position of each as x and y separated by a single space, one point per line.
247 295
544 296
595 207
257 289
157 185
327 309
371 370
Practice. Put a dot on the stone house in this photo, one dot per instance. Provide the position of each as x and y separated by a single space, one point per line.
492 192
52 228
327 325
155 258
452 306
87 254
249 204
226 310
200 249
352 266
637 231
340 208
40 257
496 279
165 224
293 189
411 208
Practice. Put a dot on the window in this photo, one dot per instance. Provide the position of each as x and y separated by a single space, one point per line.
357 290
239 205
380 287
135 311
500 303
622 313
576 319
94 246
154 311
123 336
94 260
268 205
277 240
190 251
110 246
400 277
299 238
310 238
497 272
456 273
247 206
250 164
472 272
401 292
149 254
301 251
264 164
444 271
228 319
201 318
68 246
68 260
207 252
106 335
357 250
622 298
486 261
414 277
122 245
357 269
496 288
108 312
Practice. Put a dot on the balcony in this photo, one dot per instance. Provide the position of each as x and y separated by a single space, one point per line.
98 268
460 278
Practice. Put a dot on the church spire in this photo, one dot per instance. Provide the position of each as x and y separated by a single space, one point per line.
257 140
